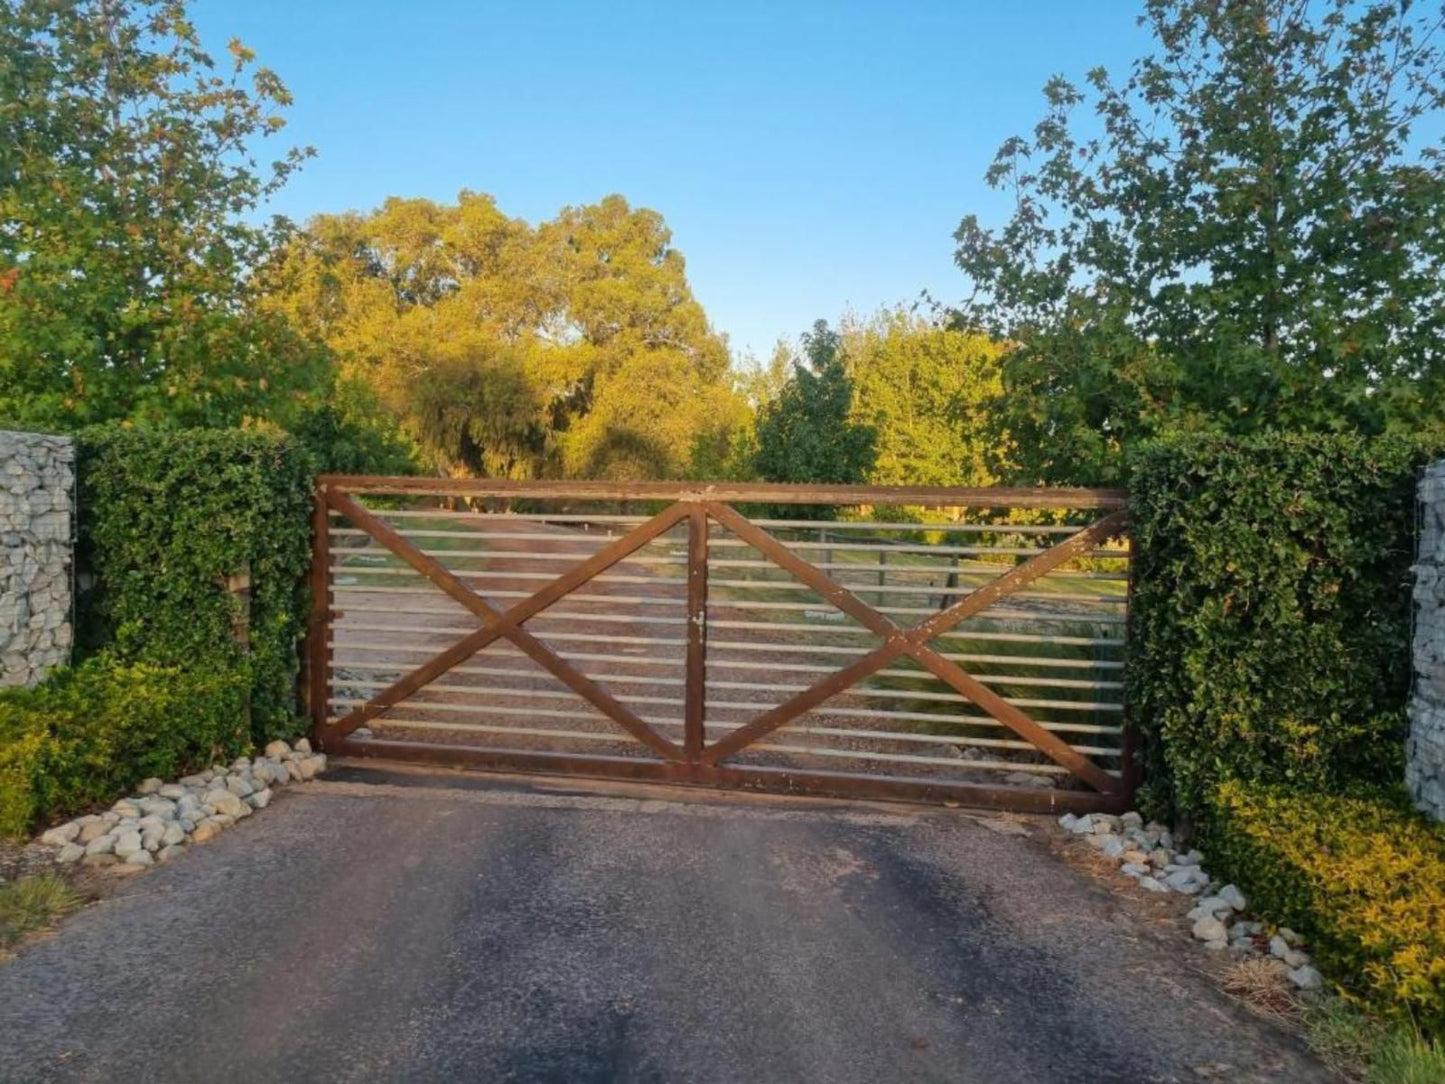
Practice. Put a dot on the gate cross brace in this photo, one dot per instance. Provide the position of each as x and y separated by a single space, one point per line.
897 642
496 623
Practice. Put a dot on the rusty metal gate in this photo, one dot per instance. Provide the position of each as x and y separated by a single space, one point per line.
725 640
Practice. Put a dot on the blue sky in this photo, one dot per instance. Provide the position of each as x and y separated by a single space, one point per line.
808 156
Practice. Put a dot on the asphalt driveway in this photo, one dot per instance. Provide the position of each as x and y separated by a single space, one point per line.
483 929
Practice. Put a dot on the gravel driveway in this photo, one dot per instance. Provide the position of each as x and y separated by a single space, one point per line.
401 927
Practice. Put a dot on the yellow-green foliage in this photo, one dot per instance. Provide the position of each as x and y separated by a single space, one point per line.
88 734
1361 876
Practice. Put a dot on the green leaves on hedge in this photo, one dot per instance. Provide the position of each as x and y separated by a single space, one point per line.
166 517
1271 621
89 734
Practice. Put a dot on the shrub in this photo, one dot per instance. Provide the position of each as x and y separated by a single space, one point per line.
166 517
1271 614
1360 875
90 733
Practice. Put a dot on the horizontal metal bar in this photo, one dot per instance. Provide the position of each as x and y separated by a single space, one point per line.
997 637
727 541
598 539
925 496
648 679
911 716
386 721
802 524
992 613
765 584
813 782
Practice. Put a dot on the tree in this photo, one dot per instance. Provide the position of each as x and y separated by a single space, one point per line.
1243 237
127 172
807 434
575 347
927 392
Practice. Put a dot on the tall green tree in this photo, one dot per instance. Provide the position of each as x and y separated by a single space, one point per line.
928 392
127 174
1245 232
807 433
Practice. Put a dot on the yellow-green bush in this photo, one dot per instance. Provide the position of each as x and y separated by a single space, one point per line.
90 733
1360 875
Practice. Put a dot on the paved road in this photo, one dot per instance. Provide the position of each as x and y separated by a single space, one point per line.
487 930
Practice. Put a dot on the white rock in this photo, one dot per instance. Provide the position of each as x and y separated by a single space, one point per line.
1231 895
61 834
150 786
1217 944
173 791
1185 879
1083 825
238 786
260 800
195 780
261 773
172 834
308 767
1113 847
1290 936
71 852
277 749
1067 822
1152 885
151 838
141 858
303 745
223 801
207 829
1211 905
1210 928
1132 820
128 843
104 844
1306 978
1294 958
1278 946
280 773
125 808
1135 869
319 759
175 850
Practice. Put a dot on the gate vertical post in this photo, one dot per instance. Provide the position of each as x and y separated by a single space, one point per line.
695 698
318 650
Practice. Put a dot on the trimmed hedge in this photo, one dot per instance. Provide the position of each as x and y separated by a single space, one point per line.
166 516
1361 876
1271 616
93 732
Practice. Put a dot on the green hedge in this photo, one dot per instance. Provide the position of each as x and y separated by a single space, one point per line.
1271 616
166 516
88 734
1361 876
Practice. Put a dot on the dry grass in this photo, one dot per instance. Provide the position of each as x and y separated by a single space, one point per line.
1261 984
33 903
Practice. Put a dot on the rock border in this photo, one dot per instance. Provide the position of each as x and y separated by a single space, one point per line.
160 821
1219 919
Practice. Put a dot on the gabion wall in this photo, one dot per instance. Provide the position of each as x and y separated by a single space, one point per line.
1425 753
37 487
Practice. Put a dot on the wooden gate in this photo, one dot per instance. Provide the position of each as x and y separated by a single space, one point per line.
554 627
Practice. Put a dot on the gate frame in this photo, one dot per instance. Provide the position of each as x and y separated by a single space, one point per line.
692 762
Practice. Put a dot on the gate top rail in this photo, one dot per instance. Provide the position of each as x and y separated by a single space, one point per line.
771 493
